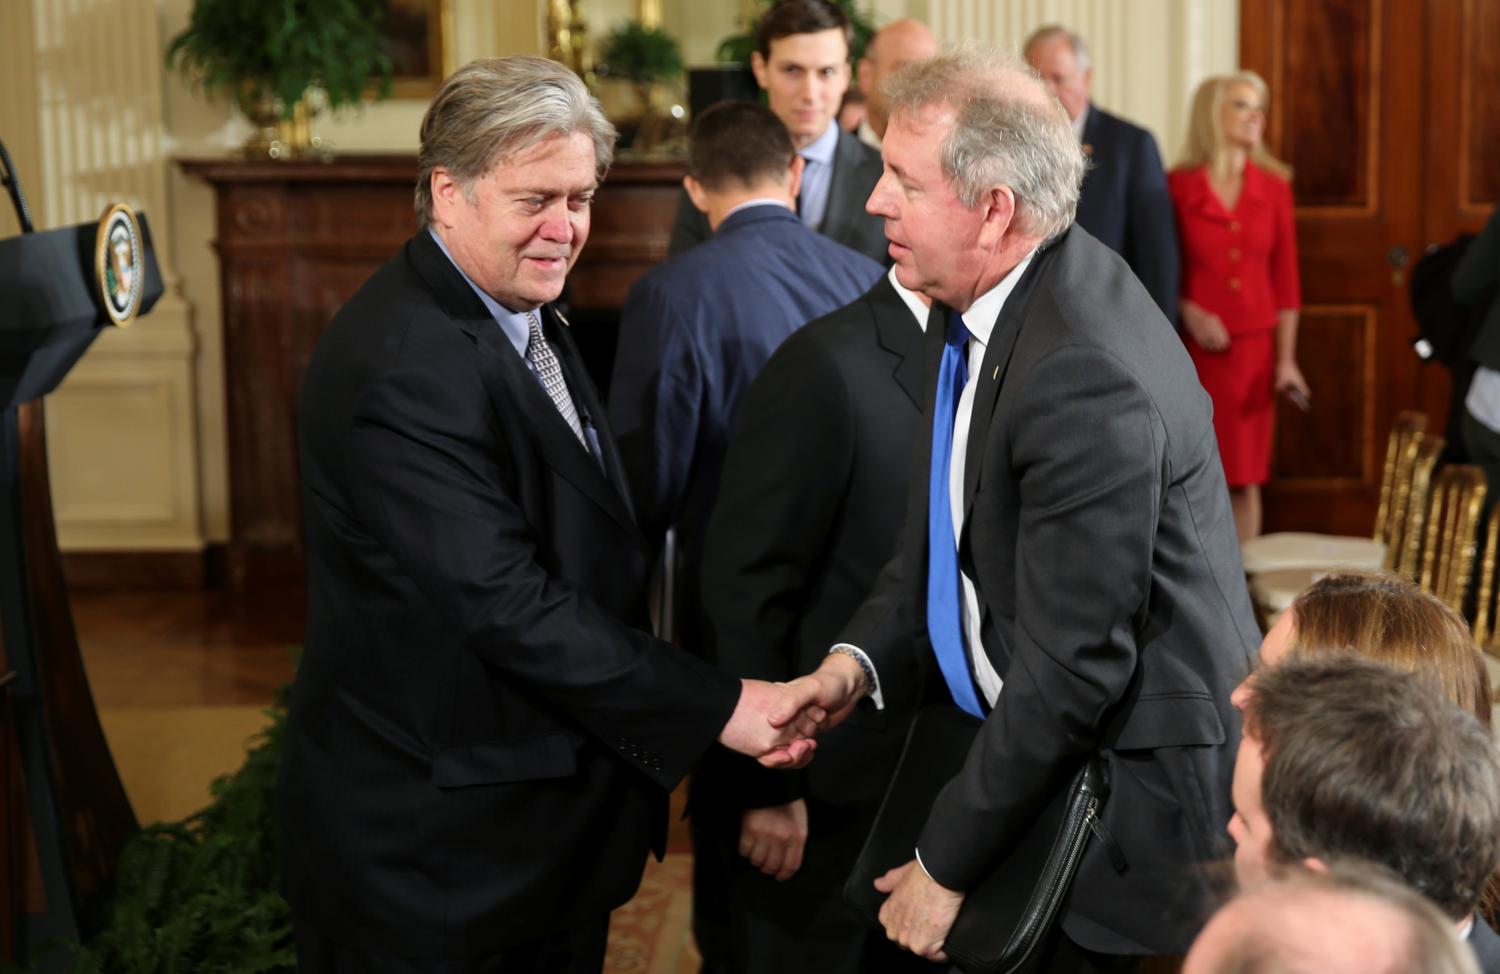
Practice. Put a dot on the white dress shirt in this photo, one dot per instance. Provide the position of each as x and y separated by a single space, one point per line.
980 320
910 298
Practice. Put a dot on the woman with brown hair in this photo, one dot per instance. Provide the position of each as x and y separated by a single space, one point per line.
1385 617
1240 290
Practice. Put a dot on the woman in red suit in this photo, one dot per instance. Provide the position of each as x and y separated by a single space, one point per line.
1240 290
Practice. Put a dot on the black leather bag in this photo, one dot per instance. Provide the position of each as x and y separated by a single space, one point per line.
1010 913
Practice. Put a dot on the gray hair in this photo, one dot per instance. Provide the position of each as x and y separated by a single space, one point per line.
1007 131
1055 32
492 108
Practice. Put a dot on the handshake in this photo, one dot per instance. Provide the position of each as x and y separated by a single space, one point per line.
776 723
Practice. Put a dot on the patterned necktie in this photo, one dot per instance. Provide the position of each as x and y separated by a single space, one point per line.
945 607
544 362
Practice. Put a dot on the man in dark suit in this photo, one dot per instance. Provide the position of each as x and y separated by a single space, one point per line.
801 59
1069 571
809 508
1326 737
1124 202
698 327
695 331
482 739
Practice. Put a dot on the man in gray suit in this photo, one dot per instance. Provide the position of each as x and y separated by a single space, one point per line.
802 61
1069 574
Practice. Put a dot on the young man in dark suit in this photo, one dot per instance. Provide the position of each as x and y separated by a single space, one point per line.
1346 759
695 332
1069 573
801 60
1124 202
810 506
482 738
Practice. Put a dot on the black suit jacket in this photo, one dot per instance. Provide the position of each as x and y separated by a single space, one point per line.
1098 533
856 170
810 506
1124 203
480 744
1486 946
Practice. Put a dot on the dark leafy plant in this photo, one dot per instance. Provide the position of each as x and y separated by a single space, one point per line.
262 50
640 54
738 47
200 895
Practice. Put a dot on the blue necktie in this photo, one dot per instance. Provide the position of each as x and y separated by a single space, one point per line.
944 599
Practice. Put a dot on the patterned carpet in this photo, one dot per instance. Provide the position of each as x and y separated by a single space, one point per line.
652 934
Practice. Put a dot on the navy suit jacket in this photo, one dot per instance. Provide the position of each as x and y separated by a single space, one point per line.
1125 205
694 333
1486 946
856 170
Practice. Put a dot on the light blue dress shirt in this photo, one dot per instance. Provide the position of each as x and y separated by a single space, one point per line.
817 177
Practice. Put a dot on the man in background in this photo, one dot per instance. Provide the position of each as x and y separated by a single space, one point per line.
694 333
1124 200
801 60
810 507
895 44
1346 759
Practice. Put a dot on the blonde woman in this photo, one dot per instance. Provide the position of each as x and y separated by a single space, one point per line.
1240 291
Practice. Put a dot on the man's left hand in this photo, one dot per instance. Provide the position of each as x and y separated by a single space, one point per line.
919 913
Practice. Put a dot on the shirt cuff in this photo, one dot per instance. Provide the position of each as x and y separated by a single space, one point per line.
869 668
917 854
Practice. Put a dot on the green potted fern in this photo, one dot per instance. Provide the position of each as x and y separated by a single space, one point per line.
272 57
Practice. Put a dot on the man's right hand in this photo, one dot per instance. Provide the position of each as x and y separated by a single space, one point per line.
774 723
773 838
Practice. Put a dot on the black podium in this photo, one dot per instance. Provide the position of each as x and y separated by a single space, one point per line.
63 811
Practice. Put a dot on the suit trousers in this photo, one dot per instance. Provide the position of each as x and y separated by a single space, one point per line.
577 951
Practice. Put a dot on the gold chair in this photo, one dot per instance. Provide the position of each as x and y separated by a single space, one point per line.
1452 533
1309 550
1484 606
1272 591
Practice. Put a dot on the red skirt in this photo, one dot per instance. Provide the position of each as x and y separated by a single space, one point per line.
1241 382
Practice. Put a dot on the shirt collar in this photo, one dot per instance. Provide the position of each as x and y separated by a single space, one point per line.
758 201
1082 121
514 323
868 135
910 298
821 148
985 311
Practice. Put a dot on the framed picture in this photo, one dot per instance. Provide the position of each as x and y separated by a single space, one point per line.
420 36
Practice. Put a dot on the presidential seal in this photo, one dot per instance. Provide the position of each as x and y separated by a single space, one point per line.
119 263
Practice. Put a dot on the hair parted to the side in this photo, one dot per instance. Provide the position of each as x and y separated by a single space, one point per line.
1206 143
1364 761
1057 32
1007 131
1388 618
492 108
790 17
739 144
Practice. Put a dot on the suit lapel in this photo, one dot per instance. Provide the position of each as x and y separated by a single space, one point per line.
992 372
897 333
511 385
839 212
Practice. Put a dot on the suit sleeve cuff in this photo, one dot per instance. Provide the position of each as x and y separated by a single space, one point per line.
868 665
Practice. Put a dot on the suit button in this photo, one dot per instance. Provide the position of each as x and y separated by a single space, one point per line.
1234 284
1234 226
1234 253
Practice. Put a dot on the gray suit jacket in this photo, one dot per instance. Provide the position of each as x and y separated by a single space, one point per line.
1098 534
856 170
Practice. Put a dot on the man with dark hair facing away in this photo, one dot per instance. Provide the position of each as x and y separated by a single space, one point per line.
801 61
1347 759
695 332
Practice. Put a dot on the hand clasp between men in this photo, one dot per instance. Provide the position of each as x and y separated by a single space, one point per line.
776 723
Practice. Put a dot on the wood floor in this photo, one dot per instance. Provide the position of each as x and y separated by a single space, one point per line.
187 648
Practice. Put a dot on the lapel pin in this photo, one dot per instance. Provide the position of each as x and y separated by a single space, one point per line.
996 375
565 321
1088 148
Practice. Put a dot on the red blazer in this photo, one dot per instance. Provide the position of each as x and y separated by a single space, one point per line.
1241 264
